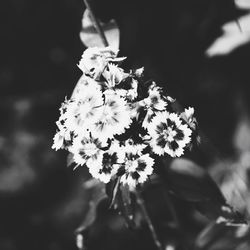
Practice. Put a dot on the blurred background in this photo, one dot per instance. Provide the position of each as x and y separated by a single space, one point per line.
198 50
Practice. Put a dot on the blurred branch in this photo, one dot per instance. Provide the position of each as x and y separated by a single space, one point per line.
96 23
143 208
171 208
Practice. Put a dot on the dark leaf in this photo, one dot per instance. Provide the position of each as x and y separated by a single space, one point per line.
114 190
126 205
220 237
120 199
98 193
192 183
223 213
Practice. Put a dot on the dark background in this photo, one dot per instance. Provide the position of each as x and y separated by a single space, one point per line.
41 200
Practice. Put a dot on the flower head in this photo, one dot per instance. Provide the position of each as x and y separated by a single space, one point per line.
188 117
115 117
153 103
168 134
105 167
114 75
154 100
114 127
86 149
130 93
94 60
60 139
85 86
136 169
81 113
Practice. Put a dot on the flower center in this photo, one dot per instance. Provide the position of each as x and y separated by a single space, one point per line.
169 134
90 149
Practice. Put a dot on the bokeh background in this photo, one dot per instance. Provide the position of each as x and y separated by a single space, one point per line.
42 201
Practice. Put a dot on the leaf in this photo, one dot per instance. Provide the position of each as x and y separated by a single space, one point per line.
120 199
114 191
241 137
235 34
220 237
125 205
242 4
192 183
98 193
90 37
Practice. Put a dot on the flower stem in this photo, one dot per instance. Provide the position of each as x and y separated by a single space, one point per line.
143 208
96 23
171 209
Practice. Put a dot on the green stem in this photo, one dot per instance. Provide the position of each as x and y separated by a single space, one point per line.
96 23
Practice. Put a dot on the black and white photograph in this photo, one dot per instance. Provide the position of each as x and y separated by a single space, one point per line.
125 125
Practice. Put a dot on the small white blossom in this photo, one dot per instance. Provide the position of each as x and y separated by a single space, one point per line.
153 103
84 112
148 118
115 117
168 134
94 60
154 100
85 86
86 149
58 141
113 75
105 167
139 72
134 166
131 93
136 169
188 116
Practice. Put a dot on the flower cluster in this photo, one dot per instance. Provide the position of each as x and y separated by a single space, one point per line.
117 125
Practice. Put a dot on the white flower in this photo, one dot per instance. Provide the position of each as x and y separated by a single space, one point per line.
154 100
105 167
168 134
139 72
188 117
62 138
133 166
85 111
153 103
136 169
129 147
113 75
64 106
94 60
131 93
115 117
86 149
148 118
85 86
58 140
189 113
